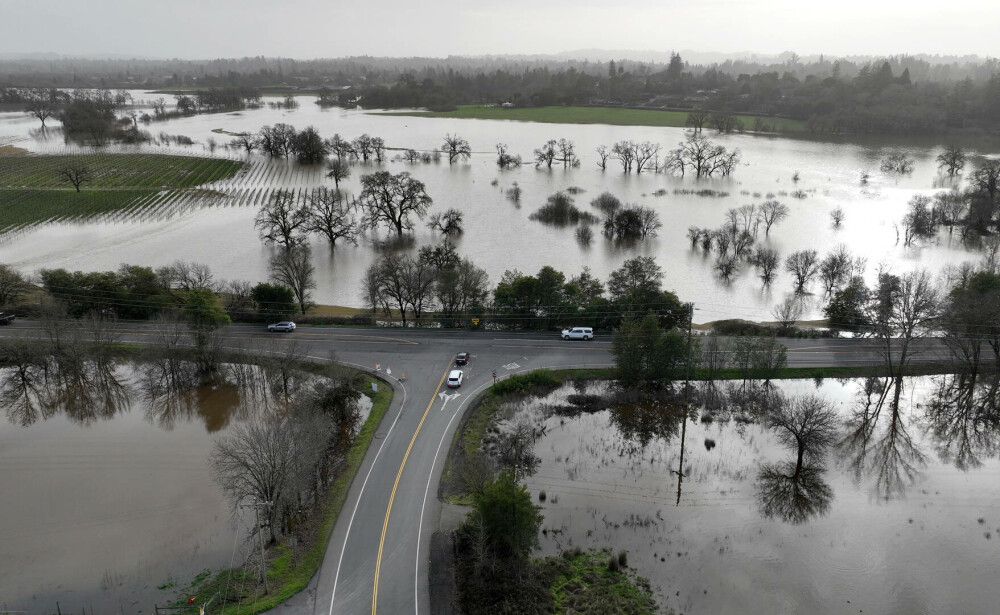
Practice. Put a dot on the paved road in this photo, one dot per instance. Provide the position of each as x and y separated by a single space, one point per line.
377 558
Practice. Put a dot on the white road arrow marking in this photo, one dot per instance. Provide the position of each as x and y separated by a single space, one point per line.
447 398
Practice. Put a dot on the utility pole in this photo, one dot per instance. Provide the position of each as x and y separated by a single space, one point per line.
260 536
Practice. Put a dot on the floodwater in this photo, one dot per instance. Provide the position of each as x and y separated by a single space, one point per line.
901 515
499 234
107 491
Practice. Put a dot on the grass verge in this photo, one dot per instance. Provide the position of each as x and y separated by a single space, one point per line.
614 116
592 582
290 569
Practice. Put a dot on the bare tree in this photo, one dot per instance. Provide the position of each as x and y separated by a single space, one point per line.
567 153
246 141
392 199
837 216
293 268
282 220
12 284
803 266
835 269
506 160
363 147
160 107
186 276
331 214
897 162
809 424
645 155
546 154
448 222
338 170
76 173
378 149
696 119
772 212
340 147
705 157
460 290
386 284
265 459
986 179
901 307
624 152
602 156
419 279
715 357
788 312
952 159
456 147
40 106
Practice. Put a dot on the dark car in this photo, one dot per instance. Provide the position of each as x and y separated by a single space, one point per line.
462 358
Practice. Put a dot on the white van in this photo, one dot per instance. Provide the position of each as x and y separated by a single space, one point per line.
578 333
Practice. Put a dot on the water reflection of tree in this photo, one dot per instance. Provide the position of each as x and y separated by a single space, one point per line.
964 419
23 382
641 422
793 493
879 443
86 391
173 391
795 490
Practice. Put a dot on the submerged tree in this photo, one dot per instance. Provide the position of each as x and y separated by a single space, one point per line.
332 215
456 147
952 159
449 222
391 200
803 267
283 220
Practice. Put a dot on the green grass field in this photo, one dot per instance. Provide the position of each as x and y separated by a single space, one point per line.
589 115
32 191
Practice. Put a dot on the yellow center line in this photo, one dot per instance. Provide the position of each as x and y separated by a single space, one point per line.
392 496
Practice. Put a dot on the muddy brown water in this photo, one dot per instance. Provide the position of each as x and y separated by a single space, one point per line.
109 497
905 519
499 235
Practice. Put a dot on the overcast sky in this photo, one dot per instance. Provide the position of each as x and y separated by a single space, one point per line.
331 28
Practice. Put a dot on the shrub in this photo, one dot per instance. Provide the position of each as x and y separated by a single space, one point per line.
559 209
530 383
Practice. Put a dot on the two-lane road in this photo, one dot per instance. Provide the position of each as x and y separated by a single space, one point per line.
377 557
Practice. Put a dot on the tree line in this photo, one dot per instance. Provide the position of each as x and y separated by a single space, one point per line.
894 95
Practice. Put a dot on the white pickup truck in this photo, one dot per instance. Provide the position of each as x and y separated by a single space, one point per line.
578 333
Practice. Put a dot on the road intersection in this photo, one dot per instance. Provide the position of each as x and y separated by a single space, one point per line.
376 560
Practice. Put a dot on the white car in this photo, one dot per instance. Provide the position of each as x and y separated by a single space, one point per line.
578 333
286 325
455 378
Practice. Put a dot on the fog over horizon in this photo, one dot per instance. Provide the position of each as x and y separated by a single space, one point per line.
186 29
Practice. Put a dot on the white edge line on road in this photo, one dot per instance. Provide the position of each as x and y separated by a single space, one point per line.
437 453
347 535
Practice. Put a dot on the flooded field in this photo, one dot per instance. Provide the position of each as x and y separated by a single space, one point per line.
899 514
109 501
219 230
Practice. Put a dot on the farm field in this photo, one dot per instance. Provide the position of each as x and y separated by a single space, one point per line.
32 191
588 115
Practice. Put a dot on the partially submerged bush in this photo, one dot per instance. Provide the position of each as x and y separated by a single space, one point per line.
559 209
